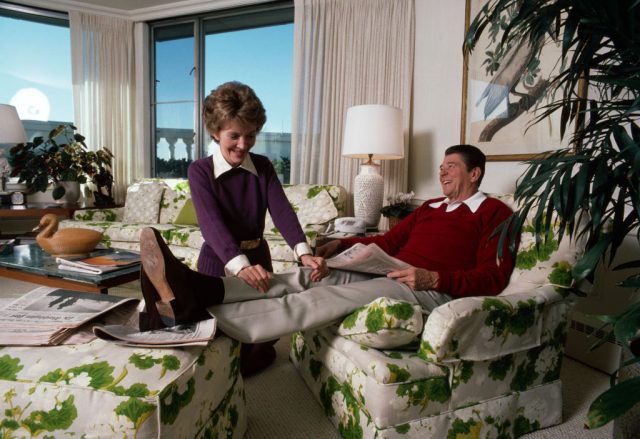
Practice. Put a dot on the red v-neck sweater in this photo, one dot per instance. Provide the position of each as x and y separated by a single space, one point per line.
454 244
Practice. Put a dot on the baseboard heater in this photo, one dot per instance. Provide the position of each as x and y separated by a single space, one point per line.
582 334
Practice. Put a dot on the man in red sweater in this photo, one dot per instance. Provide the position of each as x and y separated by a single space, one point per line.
448 242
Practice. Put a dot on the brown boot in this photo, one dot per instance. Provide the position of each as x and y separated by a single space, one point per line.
180 294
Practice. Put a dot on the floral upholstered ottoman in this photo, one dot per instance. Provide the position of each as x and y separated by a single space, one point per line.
100 389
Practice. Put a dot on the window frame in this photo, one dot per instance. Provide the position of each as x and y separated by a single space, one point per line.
199 21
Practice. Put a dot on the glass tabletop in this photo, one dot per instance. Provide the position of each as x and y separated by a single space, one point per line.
31 258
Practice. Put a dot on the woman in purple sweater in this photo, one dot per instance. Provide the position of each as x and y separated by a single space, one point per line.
231 191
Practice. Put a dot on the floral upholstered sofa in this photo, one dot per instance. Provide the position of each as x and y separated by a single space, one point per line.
166 205
482 367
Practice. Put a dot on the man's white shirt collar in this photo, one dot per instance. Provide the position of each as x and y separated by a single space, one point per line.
220 165
473 202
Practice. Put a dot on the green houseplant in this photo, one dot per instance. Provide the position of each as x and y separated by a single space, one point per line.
600 172
61 156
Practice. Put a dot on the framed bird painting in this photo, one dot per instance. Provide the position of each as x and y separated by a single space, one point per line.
500 99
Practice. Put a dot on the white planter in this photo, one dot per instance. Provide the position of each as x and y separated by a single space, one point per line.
71 192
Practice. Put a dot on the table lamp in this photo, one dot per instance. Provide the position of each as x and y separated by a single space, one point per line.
11 131
373 132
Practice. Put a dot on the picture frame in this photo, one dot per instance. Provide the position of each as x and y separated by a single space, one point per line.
504 130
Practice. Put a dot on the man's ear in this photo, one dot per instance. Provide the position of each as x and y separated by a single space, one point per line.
475 174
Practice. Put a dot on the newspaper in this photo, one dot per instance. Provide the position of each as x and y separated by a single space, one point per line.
100 264
366 259
48 316
194 334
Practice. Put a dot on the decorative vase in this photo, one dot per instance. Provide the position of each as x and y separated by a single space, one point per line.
71 192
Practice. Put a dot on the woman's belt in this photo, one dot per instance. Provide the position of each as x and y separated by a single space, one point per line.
250 244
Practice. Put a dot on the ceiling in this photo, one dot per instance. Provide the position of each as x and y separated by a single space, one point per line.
139 10
126 5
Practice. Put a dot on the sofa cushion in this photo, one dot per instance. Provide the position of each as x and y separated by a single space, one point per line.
142 204
173 201
383 324
187 215
312 204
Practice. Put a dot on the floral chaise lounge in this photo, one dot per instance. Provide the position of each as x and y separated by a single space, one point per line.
166 205
482 367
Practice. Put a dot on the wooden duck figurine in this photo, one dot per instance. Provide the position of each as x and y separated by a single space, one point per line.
65 242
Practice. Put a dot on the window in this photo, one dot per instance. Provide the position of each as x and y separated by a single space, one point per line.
193 56
35 75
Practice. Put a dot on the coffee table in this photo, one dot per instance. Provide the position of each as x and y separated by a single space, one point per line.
30 264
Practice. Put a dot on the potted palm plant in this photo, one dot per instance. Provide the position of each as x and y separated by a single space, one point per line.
600 172
61 157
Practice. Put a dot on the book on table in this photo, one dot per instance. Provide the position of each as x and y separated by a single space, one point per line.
101 263
366 258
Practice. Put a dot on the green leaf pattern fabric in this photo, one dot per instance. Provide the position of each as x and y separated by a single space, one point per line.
371 393
385 323
114 391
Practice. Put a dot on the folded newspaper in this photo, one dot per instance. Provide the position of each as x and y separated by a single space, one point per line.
194 334
49 316
366 258
100 264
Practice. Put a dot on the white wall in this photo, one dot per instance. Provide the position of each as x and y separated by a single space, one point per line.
437 99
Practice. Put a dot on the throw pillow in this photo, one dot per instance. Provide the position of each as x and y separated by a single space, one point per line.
173 201
383 324
142 204
187 216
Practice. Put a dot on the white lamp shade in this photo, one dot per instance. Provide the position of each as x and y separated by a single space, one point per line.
11 129
374 130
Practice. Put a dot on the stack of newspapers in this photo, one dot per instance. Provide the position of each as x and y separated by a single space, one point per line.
95 265
50 316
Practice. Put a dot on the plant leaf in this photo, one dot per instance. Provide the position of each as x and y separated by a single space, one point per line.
613 402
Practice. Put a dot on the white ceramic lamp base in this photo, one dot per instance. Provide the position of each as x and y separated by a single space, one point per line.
367 194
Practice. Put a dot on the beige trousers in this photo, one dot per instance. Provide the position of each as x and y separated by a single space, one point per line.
295 303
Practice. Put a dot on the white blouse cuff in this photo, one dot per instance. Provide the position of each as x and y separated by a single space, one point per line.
235 265
301 249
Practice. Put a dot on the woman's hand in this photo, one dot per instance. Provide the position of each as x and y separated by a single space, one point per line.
318 266
328 249
256 276
416 278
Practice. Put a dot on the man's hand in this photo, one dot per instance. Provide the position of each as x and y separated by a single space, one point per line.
256 276
318 265
416 278
328 249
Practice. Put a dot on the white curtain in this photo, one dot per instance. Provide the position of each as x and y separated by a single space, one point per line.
348 52
103 70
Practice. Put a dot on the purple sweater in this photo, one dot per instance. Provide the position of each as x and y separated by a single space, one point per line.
233 208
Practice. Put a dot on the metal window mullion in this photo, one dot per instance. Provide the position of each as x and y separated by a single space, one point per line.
198 86
153 100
